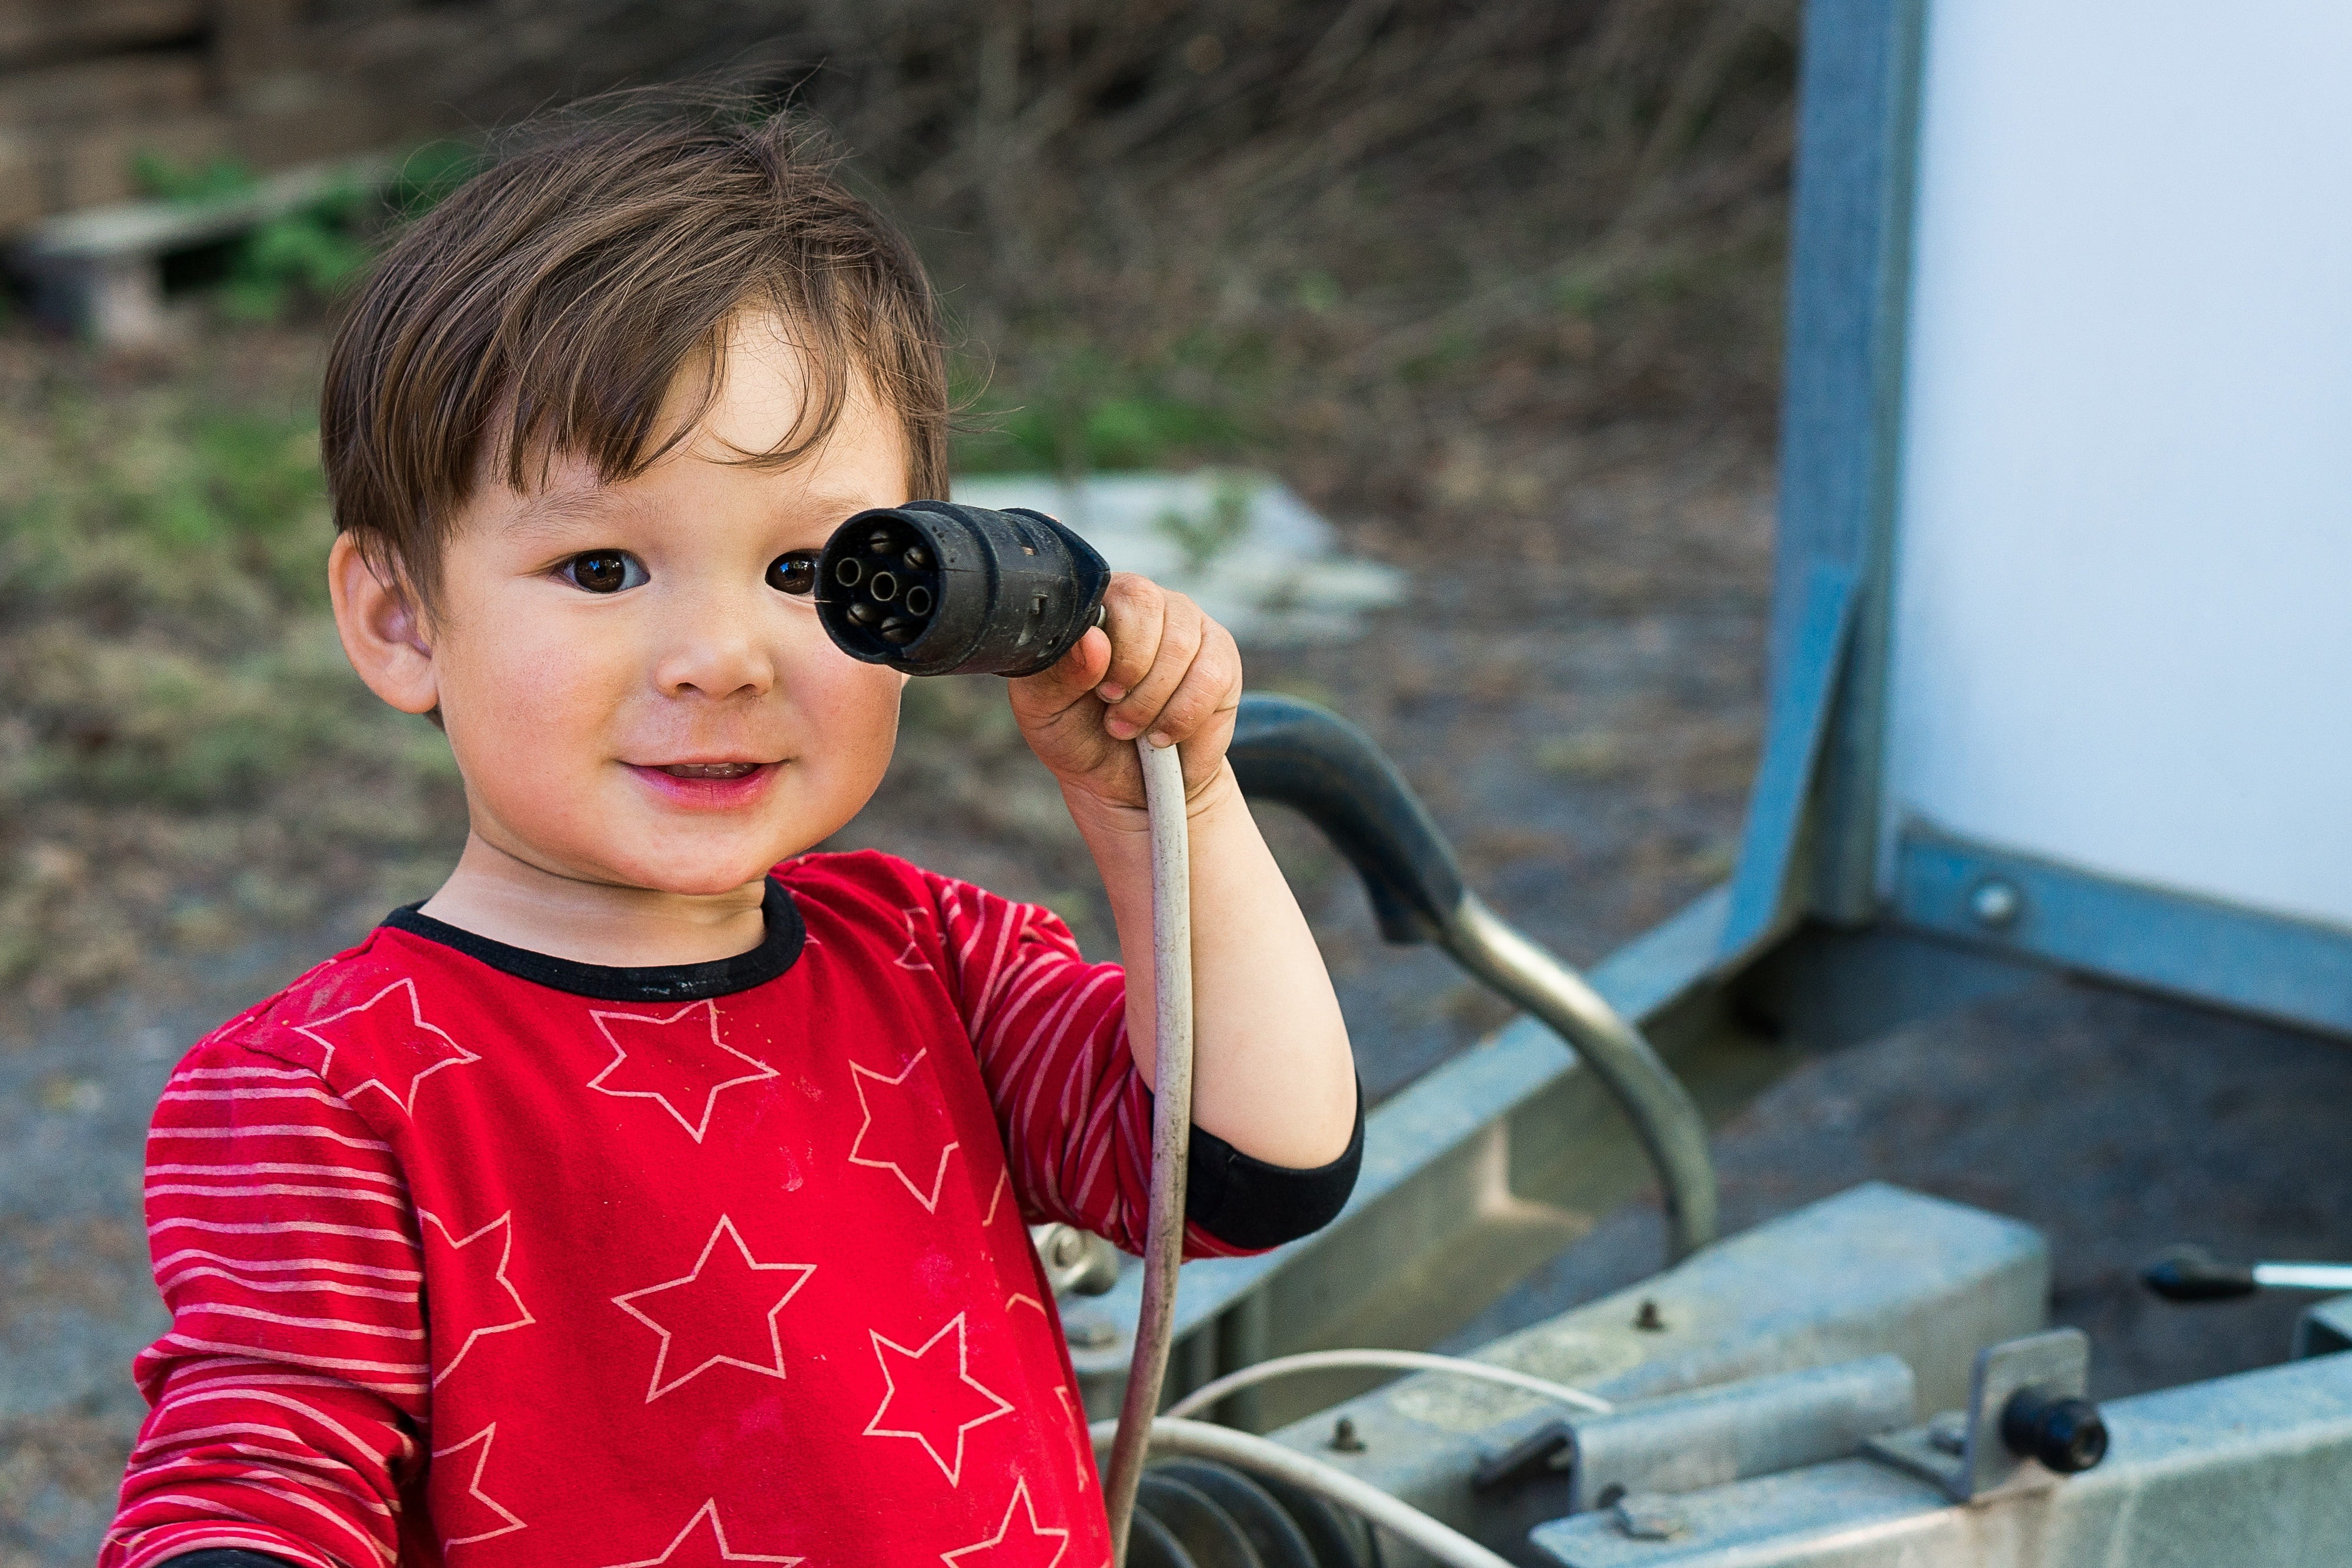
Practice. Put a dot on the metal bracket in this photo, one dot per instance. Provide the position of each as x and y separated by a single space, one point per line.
2324 1328
1966 1456
1076 1262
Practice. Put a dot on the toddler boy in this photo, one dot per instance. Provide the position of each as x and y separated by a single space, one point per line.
656 1191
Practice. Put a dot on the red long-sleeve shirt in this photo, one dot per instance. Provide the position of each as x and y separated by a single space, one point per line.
475 1255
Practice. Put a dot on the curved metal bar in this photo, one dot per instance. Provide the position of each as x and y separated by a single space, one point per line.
1310 759
1665 1117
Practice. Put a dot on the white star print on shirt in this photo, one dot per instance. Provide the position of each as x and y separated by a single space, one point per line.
1013 1547
407 1051
668 1060
1082 1448
927 1395
912 959
708 1546
900 1128
478 1507
706 1327
450 1259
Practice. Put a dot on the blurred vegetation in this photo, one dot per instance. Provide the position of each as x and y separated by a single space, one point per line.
1345 237
309 252
185 759
1391 249
304 256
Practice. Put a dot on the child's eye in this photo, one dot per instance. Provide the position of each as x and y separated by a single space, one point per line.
794 571
604 571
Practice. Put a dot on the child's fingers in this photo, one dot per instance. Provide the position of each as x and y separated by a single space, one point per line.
1069 680
1133 609
1211 686
1181 631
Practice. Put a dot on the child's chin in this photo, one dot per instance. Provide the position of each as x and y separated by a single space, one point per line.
712 883
699 872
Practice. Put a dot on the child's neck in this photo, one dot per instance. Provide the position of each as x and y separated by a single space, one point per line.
498 895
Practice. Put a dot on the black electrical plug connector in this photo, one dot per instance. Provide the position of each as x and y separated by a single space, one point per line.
935 588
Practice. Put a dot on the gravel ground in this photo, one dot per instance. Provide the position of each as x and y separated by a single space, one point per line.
1576 693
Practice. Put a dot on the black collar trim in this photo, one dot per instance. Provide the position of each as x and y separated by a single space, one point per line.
776 952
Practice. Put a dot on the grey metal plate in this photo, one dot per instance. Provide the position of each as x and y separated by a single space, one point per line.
2252 1469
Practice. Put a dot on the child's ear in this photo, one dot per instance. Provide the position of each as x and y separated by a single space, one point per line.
384 633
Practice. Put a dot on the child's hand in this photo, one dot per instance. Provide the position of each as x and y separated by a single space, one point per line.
1164 670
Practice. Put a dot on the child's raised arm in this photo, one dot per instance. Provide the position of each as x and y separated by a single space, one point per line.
1272 1074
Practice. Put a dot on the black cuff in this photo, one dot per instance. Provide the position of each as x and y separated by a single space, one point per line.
1246 1202
224 1557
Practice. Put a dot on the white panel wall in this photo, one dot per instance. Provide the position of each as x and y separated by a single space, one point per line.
2124 565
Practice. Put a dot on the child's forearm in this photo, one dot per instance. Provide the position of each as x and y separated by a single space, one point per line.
1272 1074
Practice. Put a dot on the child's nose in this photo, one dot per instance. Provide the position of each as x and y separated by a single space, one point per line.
716 656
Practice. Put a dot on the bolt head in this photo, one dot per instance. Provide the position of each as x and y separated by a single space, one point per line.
1996 904
1089 1333
1646 1516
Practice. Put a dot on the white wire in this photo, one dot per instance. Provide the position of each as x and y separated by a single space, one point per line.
1245 1451
1171 1127
2303 1276
1208 1394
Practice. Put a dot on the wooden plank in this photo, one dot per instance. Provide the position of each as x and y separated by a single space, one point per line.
90 167
342 125
255 39
153 228
20 182
55 29
128 86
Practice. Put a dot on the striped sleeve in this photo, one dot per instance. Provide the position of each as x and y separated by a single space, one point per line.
289 1393
1050 1029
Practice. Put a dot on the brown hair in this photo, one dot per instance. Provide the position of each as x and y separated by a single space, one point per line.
551 301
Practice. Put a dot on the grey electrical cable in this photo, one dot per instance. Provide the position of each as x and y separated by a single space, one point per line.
1136 1433
1172 1128
1248 1452
1208 1394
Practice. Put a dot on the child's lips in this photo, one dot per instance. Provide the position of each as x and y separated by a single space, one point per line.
708 770
707 785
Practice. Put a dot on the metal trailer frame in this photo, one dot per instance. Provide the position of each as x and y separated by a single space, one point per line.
1492 1163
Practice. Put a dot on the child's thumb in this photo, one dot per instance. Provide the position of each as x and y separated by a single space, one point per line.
1070 679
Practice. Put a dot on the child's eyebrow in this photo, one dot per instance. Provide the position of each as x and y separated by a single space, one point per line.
824 509
556 511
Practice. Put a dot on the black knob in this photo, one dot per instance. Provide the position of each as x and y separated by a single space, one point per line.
2193 1274
2068 1436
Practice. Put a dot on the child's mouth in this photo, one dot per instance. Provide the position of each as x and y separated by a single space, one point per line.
710 769
707 786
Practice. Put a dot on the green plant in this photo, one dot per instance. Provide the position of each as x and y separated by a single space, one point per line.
429 173
1205 536
317 247
1079 412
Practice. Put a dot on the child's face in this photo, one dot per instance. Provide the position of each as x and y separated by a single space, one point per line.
631 697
